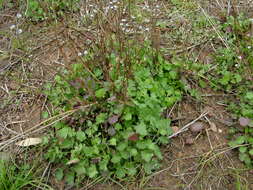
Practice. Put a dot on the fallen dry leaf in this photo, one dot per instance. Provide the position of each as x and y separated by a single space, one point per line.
74 161
29 142
213 127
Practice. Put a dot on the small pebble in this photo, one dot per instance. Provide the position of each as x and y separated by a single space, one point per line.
19 31
197 127
12 26
244 121
18 15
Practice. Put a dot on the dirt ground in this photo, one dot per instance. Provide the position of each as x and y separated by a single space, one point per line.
192 161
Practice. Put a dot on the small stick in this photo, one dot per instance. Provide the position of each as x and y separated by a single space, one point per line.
187 125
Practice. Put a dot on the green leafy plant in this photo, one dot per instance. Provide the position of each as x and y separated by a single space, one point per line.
41 10
119 134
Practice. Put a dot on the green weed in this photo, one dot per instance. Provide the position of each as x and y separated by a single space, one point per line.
120 133
48 9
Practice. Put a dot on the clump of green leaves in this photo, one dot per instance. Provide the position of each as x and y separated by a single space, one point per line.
47 9
119 134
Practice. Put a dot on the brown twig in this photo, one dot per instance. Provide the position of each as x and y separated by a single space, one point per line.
185 128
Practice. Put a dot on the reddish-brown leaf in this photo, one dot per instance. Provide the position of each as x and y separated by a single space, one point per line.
134 137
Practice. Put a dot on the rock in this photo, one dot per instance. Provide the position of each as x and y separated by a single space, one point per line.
197 127
244 121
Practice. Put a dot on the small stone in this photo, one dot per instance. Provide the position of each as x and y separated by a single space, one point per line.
244 121
19 31
197 127
18 15
85 52
12 26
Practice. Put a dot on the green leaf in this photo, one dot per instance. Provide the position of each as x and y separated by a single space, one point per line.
133 152
115 159
251 152
226 78
64 132
130 168
240 140
92 171
59 174
70 178
67 143
80 169
122 146
243 149
101 118
249 95
127 116
238 78
146 155
80 135
103 165
149 166
120 173
100 93
141 145
141 129
245 158
202 84
173 74
45 115
113 141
